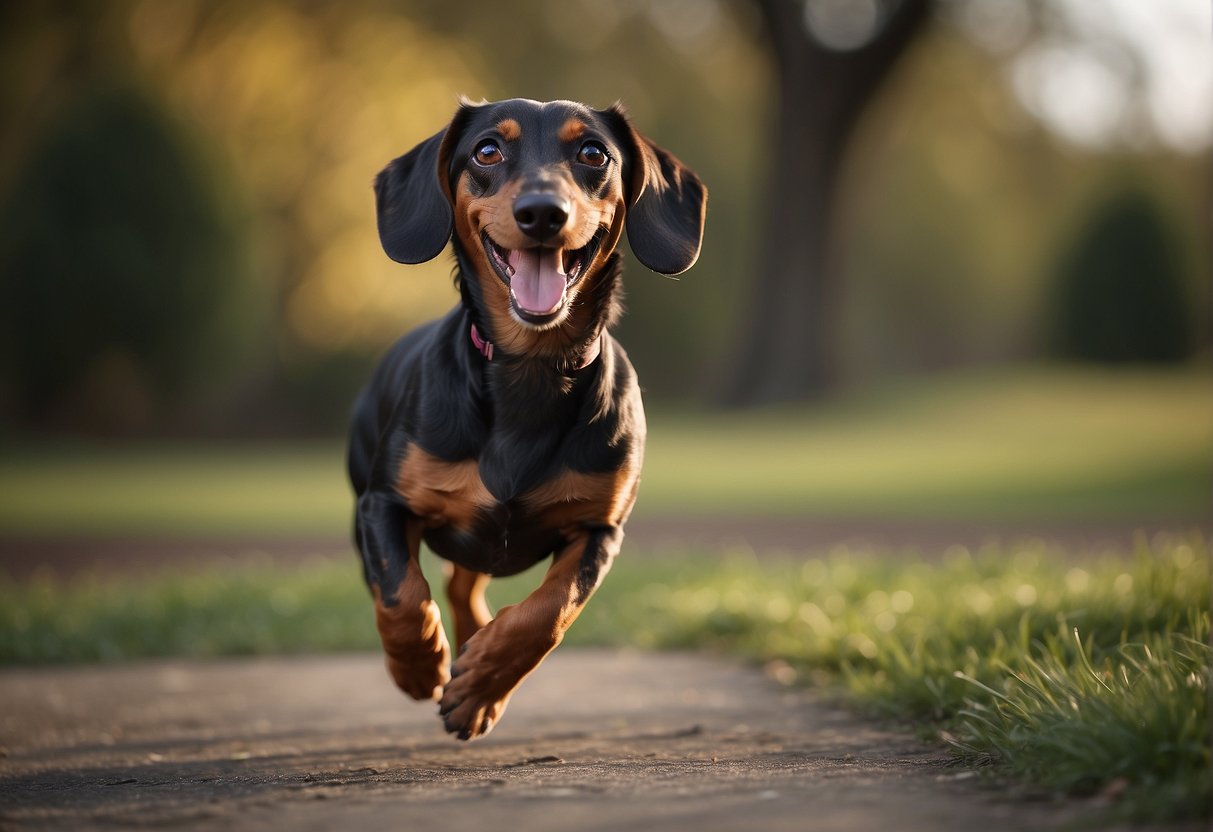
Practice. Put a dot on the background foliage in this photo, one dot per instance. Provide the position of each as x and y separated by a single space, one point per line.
264 124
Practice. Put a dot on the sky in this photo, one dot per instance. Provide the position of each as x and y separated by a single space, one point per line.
1097 72
1123 71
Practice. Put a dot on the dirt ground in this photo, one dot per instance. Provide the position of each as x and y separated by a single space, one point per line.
594 740
22 556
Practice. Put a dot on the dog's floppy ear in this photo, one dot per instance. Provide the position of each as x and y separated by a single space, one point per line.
666 202
412 201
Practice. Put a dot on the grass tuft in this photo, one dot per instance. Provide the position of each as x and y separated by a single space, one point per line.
1137 722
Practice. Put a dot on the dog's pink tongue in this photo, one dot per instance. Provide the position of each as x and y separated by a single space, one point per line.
538 280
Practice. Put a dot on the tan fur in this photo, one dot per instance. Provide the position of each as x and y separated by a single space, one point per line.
571 130
509 129
502 654
415 647
573 497
494 215
441 492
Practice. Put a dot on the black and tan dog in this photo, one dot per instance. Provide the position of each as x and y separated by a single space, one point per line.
511 429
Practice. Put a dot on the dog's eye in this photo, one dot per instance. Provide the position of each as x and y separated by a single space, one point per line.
593 154
488 153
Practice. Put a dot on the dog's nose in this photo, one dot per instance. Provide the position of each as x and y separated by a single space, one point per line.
541 216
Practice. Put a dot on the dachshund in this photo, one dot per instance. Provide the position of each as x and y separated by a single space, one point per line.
511 429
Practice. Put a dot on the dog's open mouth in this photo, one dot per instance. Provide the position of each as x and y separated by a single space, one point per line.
539 278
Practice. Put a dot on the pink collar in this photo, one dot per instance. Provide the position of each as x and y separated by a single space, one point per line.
485 348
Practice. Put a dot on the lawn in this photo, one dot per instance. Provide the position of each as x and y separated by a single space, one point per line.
1077 676
1017 445
1014 445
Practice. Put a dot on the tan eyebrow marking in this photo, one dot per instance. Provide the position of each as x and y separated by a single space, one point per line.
571 130
509 129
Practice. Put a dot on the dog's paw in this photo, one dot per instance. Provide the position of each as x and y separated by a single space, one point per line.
489 668
417 654
479 689
423 679
469 711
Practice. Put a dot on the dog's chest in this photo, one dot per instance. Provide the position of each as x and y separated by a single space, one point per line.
467 524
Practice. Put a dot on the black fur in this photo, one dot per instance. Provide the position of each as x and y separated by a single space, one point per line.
523 418
414 214
522 424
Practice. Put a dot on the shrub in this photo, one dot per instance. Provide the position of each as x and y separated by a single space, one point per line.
1119 292
118 261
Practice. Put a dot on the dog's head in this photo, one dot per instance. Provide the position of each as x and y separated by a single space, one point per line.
538 195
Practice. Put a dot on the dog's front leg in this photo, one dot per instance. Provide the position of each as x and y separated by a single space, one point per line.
499 656
410 626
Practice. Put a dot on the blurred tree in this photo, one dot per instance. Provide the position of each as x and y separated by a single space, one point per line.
117 261
927 280
1119 293
947 191
831 57
303 103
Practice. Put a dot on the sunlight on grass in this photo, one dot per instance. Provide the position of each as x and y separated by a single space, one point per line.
1010 656
1023 445
1136 719
292 489
1043 444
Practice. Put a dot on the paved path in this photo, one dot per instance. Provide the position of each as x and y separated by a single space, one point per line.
595 740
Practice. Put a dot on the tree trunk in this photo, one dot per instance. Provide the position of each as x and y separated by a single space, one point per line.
787 351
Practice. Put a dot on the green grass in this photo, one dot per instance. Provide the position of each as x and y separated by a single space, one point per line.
152 489
1081 676
1022 445
1040 444
1078 678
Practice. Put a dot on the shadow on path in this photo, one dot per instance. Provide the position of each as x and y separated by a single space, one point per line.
594 740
